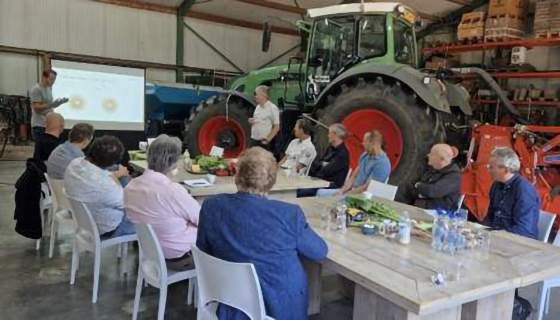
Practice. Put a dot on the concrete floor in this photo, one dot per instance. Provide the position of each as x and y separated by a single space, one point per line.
36 287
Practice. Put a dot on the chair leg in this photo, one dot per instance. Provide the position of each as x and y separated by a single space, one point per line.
52 238
124 253
548 291
137 295
190 292
75 262
96 269
162 300
119 251
38 244
195 289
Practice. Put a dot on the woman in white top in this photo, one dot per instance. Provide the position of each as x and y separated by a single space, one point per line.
265 122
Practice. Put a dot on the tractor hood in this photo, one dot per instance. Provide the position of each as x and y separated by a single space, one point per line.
249 81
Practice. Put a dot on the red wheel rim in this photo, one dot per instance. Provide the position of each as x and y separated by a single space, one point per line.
214 128
361 121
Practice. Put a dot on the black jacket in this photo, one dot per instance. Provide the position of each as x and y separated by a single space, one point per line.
333 166
439 189
44 145
28 197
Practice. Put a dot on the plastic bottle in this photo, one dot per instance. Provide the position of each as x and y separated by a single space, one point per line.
440 229
405 227
187 159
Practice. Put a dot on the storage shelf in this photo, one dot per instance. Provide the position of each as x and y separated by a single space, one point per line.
521 103
528 43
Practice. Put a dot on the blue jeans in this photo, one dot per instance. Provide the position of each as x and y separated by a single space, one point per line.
124 228
36 132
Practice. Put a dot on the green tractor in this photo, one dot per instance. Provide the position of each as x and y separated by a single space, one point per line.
360 70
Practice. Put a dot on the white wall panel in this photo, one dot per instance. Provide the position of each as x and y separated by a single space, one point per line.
18 73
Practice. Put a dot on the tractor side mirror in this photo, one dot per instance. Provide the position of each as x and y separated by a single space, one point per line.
266 35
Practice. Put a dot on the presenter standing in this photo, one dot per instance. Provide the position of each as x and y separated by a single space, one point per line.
42 102
265 122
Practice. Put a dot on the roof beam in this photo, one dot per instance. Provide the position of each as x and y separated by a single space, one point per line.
197 15
275 6
236 22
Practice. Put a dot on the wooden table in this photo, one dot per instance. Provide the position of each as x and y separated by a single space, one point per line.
393 281
285 187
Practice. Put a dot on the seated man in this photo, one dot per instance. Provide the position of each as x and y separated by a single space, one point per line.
333 166
301 151
440 186
85 180
79 138
155 199
272 235
48 141
374 164
514 202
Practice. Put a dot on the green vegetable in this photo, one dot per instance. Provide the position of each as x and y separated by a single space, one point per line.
208 163
373 207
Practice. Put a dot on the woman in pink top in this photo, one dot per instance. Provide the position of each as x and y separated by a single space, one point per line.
155 199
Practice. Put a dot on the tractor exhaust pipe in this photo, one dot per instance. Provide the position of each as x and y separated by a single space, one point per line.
502 96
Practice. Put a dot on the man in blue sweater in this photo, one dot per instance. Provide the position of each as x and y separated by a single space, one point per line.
514 202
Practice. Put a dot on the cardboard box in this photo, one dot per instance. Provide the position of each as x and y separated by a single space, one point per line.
515 8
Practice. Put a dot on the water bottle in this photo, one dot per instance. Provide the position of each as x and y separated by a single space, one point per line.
187 160
452 235
440 229
341 215
405 226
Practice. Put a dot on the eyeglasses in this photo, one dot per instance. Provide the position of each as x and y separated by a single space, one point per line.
489 166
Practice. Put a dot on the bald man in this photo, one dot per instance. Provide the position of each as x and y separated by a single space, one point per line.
48 141
440 186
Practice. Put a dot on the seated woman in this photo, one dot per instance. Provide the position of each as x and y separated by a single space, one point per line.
155 199
301 151
249 227
86 180
440 186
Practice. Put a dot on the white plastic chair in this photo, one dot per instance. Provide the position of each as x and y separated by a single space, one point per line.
460 202
45 207
382 190
308 167
87 238
152 269
549 283
60 208
546 221
234 284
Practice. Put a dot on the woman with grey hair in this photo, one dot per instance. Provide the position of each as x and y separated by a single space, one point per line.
272 235
514 201
155 199
265 123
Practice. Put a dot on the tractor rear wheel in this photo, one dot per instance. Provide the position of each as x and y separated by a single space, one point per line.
407 127
212 125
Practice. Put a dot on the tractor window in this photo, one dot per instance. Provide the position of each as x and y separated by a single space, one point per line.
404 43
332 45
372 37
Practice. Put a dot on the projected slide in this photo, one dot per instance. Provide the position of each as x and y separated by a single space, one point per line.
108 97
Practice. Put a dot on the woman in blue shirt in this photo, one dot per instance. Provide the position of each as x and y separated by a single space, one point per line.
272 235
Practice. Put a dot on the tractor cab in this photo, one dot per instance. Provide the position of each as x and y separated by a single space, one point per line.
343 36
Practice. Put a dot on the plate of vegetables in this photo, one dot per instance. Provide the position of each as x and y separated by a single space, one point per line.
209 164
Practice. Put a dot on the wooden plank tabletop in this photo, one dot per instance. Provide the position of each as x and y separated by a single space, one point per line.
402 273
227 184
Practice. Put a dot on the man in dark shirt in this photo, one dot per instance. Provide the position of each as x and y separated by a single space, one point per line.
49 140
514 202
333 166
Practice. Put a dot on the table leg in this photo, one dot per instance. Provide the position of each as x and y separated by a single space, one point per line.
371 306
499 306
313 271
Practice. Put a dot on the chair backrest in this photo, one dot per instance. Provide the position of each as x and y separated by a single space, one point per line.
234 284
152 261
86 229
59 200
382 190
546 220
308 168
460 202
